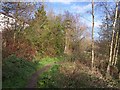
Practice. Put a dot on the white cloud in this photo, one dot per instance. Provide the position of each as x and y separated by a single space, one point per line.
89 23
63 1
81 9
97 24
96 27
86 18
69 1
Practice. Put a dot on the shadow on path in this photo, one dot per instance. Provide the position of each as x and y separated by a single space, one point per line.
32 82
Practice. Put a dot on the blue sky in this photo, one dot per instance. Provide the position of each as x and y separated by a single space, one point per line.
78 7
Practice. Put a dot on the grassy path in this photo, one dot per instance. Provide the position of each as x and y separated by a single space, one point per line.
33 79
32 82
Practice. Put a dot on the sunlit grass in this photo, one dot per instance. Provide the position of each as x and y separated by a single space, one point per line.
17 71
48 60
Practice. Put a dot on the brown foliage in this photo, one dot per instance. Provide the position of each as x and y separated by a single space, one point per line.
20 47
114 72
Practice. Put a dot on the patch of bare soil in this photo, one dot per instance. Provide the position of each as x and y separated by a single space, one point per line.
32 82
33 79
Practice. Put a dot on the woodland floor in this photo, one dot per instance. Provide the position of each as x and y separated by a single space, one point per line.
32 82
54 73
85 78
33 79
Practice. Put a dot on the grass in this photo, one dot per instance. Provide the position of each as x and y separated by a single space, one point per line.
48 60
48 79
17 71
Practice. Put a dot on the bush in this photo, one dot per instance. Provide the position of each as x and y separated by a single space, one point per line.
21 47
118 63
48 79
16 71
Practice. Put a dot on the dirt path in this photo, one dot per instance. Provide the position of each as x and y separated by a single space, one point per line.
33 79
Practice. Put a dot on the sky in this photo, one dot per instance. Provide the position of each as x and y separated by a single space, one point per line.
83 8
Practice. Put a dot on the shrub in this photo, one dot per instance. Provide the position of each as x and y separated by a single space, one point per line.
21 47
16 71
118 64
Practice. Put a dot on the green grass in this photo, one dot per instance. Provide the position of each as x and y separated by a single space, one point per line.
17 71
48 60
48 79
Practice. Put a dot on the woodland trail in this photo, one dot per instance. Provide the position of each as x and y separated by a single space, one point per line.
32 82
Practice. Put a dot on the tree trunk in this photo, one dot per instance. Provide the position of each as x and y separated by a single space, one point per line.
111 46
66 43
114 53
67 39
118 43
92 35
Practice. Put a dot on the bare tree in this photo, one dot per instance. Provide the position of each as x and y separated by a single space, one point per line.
116 54
67 38
92 34
111 46
21 13
118 40
115 48
74 36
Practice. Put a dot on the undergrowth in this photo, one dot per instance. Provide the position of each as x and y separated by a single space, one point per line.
48 60
16 71
48 79
61 76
